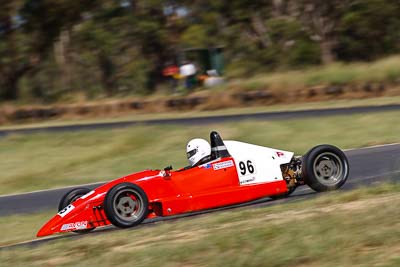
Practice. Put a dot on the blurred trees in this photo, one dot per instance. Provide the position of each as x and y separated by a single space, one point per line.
320 18
369 29
50 49
29 29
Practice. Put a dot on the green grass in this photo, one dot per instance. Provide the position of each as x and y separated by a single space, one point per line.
384 70
357 228
40 161
18 228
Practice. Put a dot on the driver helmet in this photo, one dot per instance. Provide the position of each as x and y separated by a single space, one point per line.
196 150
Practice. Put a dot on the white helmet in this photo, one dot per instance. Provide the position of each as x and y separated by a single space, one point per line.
196 150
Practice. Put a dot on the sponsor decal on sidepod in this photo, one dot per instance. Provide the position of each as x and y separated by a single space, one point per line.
223 165
74 226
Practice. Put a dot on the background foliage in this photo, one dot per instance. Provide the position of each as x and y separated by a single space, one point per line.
52 49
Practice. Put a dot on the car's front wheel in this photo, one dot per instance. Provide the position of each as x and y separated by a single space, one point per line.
325 168
126 205
70 197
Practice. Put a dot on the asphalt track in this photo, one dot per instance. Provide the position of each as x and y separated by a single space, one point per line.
280 115
368 167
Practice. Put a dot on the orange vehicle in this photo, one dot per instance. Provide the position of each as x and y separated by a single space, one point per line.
235 172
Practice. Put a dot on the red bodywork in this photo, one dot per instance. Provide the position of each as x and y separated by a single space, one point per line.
169 193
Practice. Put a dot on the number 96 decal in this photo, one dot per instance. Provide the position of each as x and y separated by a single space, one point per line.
246 167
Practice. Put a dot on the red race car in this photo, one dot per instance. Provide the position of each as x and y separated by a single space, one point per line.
230 172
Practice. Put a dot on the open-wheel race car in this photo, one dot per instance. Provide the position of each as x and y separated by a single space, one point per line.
235 172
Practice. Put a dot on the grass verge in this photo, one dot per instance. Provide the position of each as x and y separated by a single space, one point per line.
39 161
377 101
384 70
357 228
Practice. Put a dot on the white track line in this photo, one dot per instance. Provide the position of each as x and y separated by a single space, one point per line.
371 147
83 185
51 189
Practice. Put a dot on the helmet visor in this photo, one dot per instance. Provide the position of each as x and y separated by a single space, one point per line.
191 153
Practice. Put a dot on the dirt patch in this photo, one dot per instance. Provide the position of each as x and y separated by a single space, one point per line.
200 101
55 261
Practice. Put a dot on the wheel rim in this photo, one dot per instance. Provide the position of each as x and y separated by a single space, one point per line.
329 169
128 205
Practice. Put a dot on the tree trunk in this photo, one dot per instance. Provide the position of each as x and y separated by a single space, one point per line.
107 74
327 54
9 86
261 30
61 54
9 89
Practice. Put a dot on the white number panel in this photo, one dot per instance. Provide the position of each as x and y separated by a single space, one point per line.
257 164
66 210
246 171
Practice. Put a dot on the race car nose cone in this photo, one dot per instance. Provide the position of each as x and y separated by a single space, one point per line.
44 231
50 227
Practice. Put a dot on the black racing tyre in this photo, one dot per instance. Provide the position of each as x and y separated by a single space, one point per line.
126 205
325 168
70 197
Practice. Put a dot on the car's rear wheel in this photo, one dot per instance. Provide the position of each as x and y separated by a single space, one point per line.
126 205
325 168
70 197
